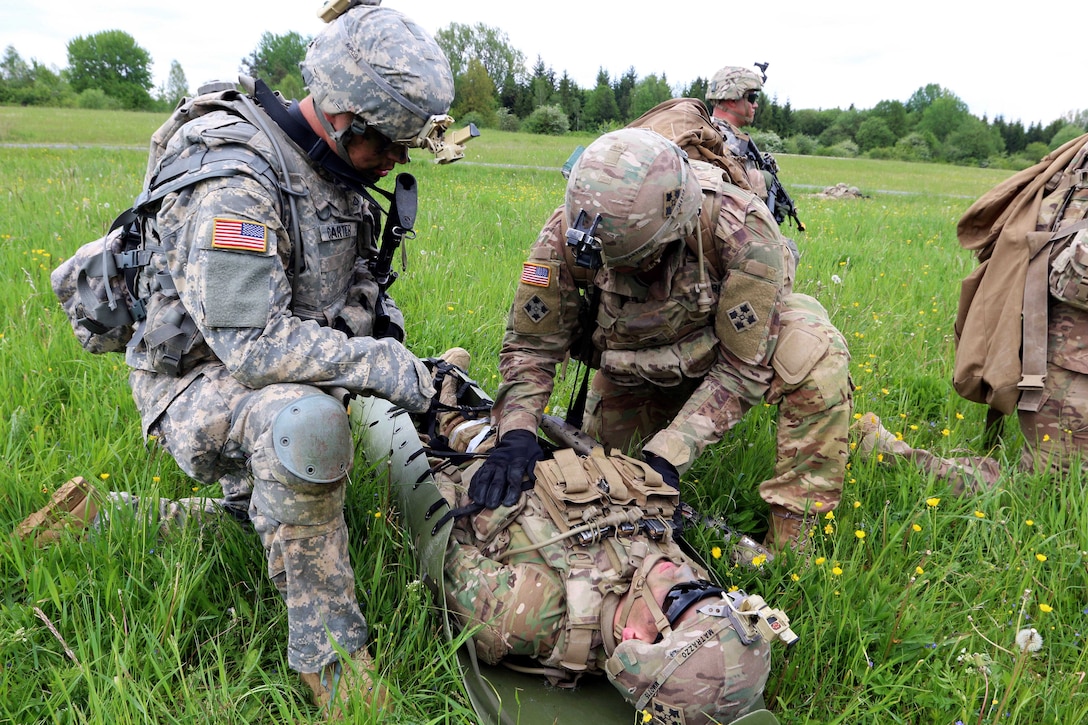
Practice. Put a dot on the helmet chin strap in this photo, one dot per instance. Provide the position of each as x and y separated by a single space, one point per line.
339 139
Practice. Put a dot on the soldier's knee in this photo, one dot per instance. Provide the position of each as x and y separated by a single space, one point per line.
312 440
811 358
311 454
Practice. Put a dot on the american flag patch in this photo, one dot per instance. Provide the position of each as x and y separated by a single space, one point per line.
536 274
240 235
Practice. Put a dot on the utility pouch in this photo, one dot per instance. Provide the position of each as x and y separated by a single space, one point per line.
1068 279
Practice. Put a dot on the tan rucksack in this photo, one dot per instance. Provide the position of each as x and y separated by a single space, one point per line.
687 123
1015 229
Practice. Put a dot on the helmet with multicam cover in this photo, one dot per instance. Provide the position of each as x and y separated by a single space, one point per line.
699 672
732 82
644 190
384 69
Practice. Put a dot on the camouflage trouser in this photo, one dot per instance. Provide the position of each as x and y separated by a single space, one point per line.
1056 437
518 604
221 431
814 402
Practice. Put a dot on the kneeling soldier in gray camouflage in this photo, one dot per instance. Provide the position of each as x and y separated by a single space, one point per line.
259 300
690 321
580 578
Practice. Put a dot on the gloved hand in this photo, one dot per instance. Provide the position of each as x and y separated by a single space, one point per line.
398 376
499 481
666 469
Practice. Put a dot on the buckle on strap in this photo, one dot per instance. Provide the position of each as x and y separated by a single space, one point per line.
1031 382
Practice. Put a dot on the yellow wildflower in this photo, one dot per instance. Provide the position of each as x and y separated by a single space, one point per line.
932 502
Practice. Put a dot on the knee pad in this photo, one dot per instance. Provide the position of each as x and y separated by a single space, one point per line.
312 439
806 338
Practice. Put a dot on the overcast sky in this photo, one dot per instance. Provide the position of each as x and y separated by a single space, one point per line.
821 54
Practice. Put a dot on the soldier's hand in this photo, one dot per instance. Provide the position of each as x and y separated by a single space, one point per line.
399 376
666 469
507 471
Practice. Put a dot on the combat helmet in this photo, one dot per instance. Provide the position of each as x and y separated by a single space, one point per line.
699 671
383 68
642 187
732 82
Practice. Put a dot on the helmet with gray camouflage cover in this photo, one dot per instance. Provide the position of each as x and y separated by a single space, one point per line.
383 68
699 673
732 82
644 189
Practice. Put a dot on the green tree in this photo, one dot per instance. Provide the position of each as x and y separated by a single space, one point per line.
488 45
1065 134
475 93
601 105
649 92
873 133
973 142
112 62
177 86
922 98
894 116
944 116
276 59
697 89
570 98
622 90
542 84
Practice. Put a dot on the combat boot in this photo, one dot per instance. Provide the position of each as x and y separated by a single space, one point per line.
787 529
73 507
333 685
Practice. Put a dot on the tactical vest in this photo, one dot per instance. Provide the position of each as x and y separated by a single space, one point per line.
595 520
665 341
224 134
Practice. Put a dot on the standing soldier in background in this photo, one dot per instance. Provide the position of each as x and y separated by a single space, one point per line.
733 97
690 320
1022 324
258 300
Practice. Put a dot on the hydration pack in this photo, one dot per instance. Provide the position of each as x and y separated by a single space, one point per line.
98 285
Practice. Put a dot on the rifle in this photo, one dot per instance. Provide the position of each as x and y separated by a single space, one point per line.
745 548
399 224
778 199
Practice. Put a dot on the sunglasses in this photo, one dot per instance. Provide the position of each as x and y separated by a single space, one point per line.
381 143
752 97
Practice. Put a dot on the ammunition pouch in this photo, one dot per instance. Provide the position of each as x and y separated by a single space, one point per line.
1068 279
610 494
668 366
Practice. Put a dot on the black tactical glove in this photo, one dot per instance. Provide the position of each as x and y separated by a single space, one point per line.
507 471
666 469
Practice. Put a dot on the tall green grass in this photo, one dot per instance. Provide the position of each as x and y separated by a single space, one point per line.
912 621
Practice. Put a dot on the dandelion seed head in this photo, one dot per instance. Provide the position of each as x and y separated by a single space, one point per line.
1029 640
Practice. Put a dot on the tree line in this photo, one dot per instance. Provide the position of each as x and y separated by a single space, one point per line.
495 88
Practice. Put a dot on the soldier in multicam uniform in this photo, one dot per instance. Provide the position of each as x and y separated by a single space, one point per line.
576 580
696 324
733 97
1022 326
259 301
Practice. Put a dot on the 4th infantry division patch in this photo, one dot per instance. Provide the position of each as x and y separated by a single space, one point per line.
239 235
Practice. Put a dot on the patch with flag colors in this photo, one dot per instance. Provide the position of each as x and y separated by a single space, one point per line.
239 235
537 275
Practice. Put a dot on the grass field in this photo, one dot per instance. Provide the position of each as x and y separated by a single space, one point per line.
907 605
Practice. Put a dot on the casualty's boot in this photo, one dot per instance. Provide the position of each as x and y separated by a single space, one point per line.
787 529
73 507
333 685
